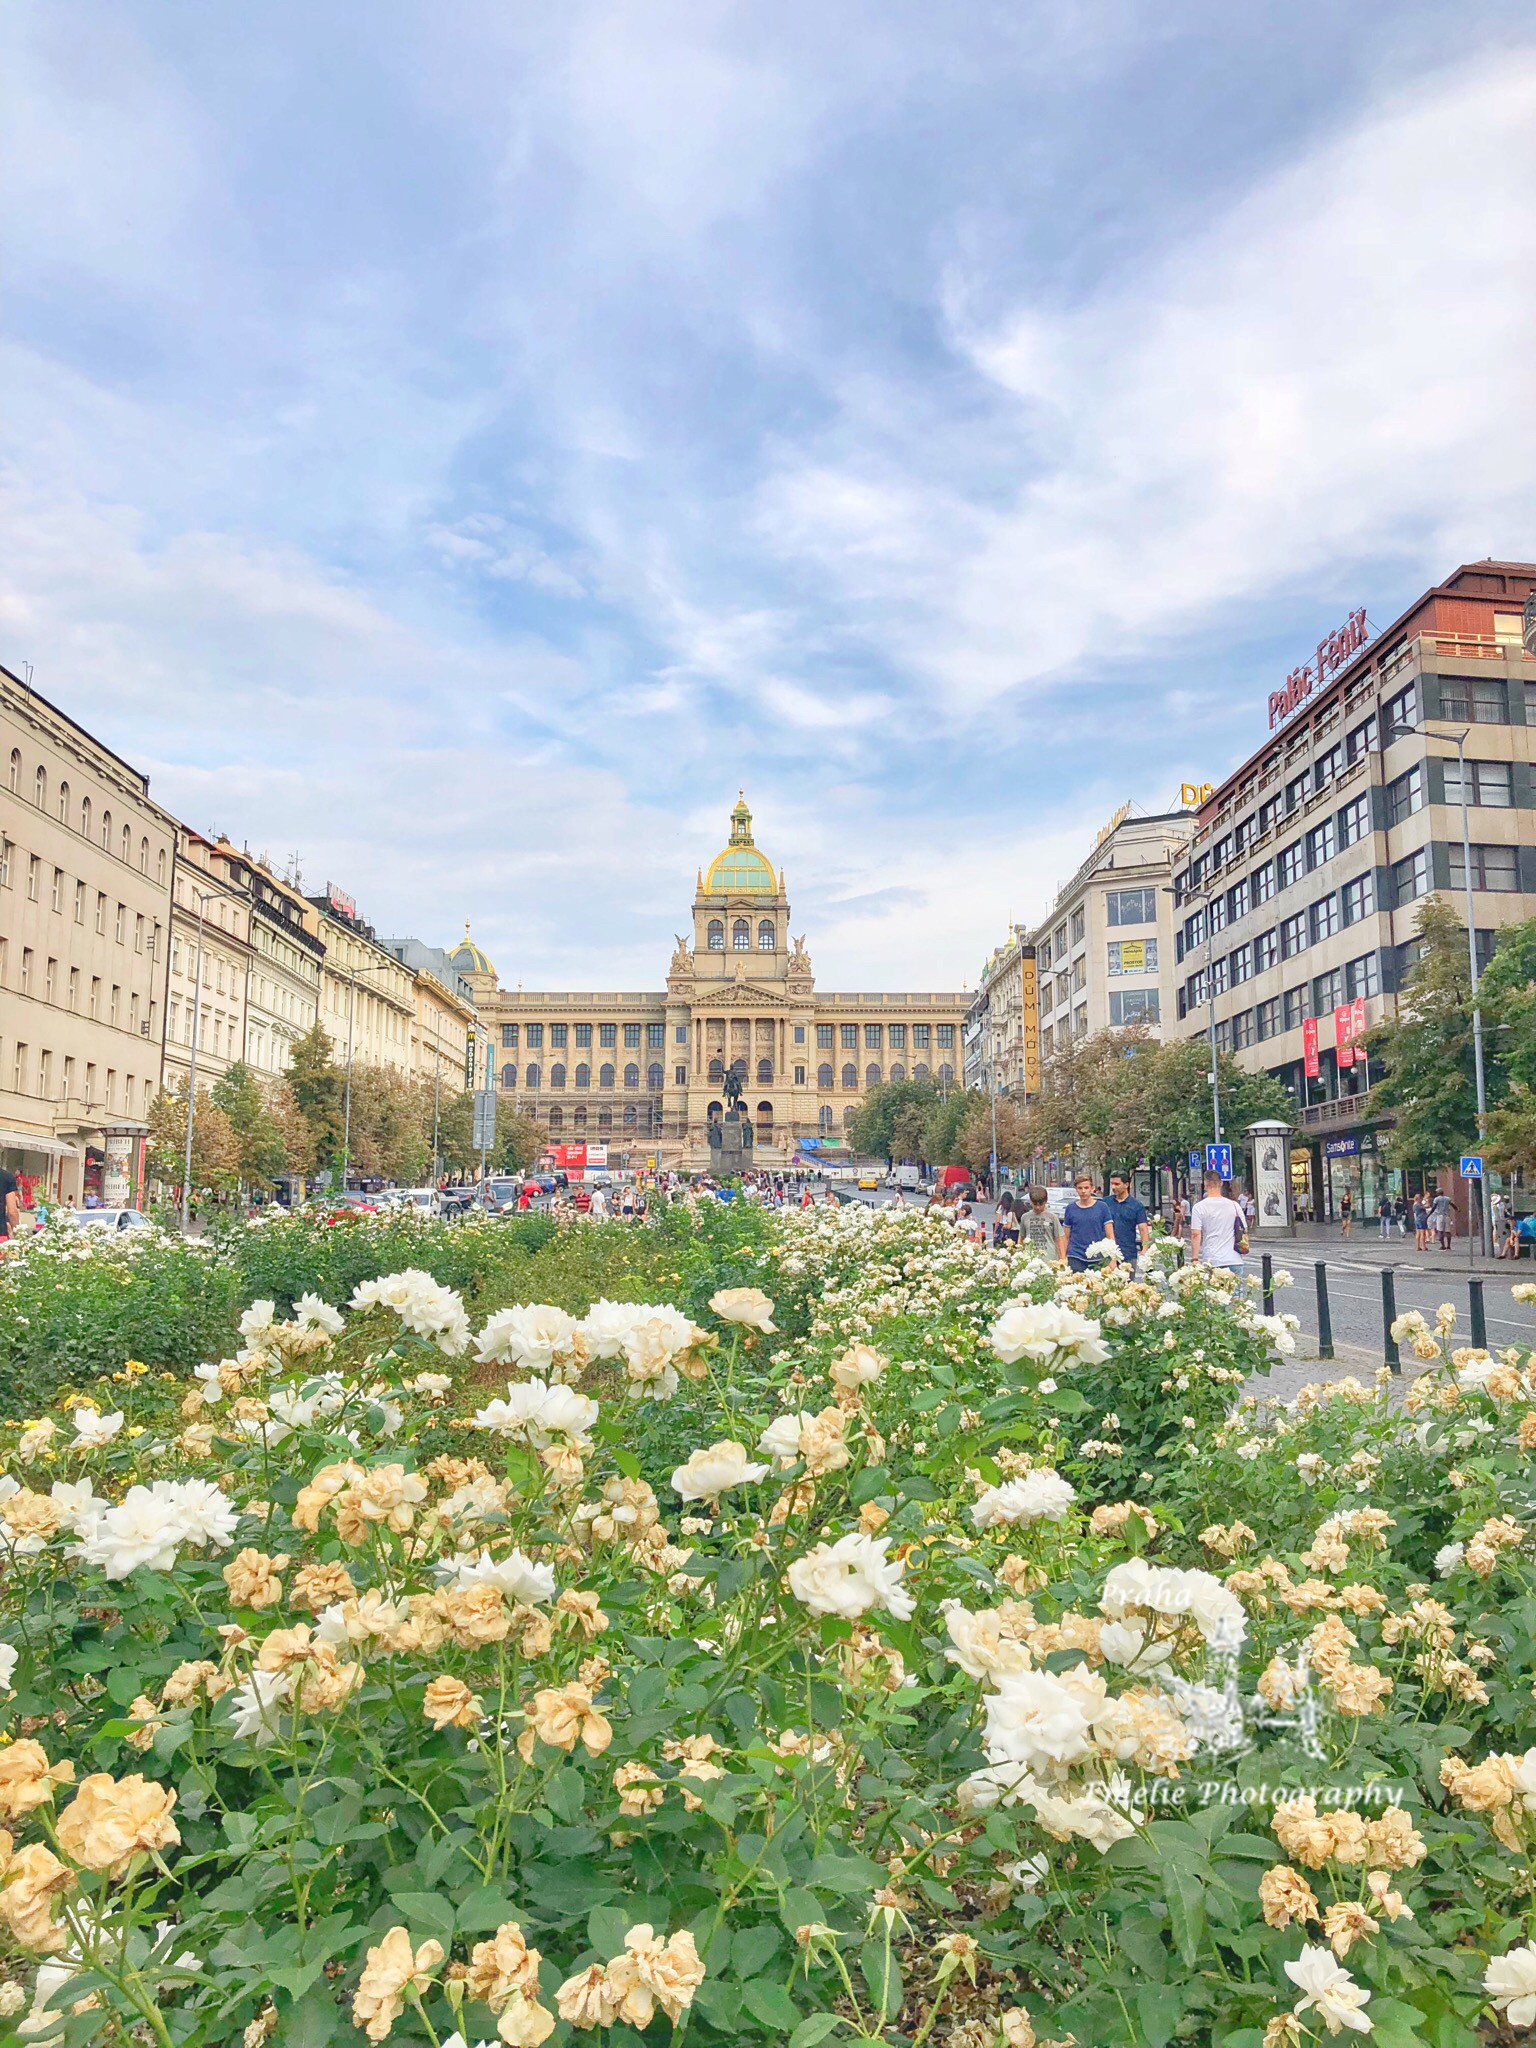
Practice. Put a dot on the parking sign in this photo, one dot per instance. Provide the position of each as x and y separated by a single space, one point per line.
1472 1166
1218 1159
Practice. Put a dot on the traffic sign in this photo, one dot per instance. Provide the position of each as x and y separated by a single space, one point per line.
483 1137
1218 1159
1472 1166
1194 1162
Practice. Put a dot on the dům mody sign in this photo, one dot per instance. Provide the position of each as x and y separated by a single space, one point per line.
1333 653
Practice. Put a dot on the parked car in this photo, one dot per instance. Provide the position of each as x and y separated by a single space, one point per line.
869 1180
425 1199
354 1204
500 1196
104 1219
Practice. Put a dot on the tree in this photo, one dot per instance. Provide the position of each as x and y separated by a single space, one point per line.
1178 1099
519 1139
1426 1054
215 1147
259 1142
1507 993
318 1088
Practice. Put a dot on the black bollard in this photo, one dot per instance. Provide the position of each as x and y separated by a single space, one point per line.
1388 1318
1267 1269
1324 1320
1479 1314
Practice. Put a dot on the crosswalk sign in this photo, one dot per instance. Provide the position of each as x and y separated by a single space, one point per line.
1472 1166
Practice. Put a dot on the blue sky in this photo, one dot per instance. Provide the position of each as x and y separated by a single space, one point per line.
461 444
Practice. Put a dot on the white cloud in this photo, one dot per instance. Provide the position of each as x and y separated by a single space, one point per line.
1334 373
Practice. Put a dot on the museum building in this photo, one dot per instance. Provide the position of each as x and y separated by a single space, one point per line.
645 1070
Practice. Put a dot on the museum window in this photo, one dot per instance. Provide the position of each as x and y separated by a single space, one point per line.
535 1035
533 1076
823 1035
631 1116
848 1037
716 1071
765 935
509 1034
557 1119
680 1076
656 1036
824 1116
946 1034
741 935
765 1073
653 1075
607 1034
558 1034
922 1035
765 1116
583 1034
824 1074
896 1037
509 1077
605 1076
557 1075
946 1075
898 1070
579 1119
920 1071
872 1075
850 1075
871 1037
716 935
631 1076
799 1077
631 1035
605 1119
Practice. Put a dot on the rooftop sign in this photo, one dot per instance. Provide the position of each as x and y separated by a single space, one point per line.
1334 653
340 901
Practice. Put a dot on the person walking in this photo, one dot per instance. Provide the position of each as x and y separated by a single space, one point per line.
1005 1225
1384 1211
1400 1214
1420 1224
1499 1208
1217 1232
1037 1226
1440 1220
1346 1212
1129 1218
1180 1215
1083 1223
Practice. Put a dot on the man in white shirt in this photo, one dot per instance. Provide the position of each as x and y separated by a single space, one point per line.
1215 1225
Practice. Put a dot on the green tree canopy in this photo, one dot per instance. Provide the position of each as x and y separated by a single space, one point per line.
1426 1053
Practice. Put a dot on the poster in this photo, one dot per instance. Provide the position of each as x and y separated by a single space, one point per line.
117 1171
1361 1027
1344 1034
1271 1165
1309 1060
1133 956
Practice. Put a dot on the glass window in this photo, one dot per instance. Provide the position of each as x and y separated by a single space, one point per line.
583 1034
608 1034
1405 795
872 1037
509 1076
1266 1019
1221 852
558 1034
766 942
1134 1006
655 1035
1362 977
1474 700
1217 913
680 1033
1291 864
653 1074
848 1037
1320 844
1324 918
824 1074
741 935
1242 964
823 1035
1361 739
1079 926
1269 814
1219 975
921 1034
1194 929
897 1036
1237 900
715 935
946 1034
850 1075
1265 951
631 1075
1410 877
1295 793
1327 765
557 1076
1488 783
533 1075
1328 991
1194 989
1242 1030
1293 935
1264 882
1494 868
605 1075
1357 899
535 1034
509 1034
1400 713
1354 821
1131 906
872 1075
1296 1007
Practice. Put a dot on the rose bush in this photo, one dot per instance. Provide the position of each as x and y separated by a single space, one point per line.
808 1627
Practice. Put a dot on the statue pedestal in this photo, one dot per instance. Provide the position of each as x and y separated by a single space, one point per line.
730 1146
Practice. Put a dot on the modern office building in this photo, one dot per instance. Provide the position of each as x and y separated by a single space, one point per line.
1298 900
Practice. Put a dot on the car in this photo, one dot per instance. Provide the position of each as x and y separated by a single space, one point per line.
105 1219
425 1199
869 1180
500 1195
456 1201
354 1204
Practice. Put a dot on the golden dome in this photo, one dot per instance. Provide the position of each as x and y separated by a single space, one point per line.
739 869
468 958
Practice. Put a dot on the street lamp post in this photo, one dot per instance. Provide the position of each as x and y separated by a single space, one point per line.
1477 1009
202 898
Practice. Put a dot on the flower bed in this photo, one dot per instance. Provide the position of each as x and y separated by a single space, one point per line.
835 1630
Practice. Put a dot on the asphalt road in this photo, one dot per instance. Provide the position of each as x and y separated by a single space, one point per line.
1420 1280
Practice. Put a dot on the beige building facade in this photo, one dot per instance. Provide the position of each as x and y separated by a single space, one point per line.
211 957
367 995
1002 1026
87 862
645 1069
283 992
1104 956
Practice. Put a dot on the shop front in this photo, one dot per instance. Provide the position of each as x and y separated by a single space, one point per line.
42 1166
1352 1165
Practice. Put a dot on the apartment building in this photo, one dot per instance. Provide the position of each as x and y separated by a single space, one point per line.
1297 903
211 958
1104 955
443 1037
86 867
282 997
1002 1025
367 995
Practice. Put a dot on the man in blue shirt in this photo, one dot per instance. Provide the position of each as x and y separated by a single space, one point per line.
1128 1215
1083 1223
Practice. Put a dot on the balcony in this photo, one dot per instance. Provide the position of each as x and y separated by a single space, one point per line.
1348 1109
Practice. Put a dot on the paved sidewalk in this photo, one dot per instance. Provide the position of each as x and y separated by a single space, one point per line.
1366 1245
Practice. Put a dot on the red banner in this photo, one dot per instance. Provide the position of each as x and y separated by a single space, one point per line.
1309 1060
1360 1025
568 1158
1344 1034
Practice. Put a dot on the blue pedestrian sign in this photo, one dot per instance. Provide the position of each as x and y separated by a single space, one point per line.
1472 1166
1218 1159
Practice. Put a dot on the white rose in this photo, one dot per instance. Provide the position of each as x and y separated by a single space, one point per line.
1042 1496
711 1472
521 1581
1510 1981
850 1577
94 1430
745 1305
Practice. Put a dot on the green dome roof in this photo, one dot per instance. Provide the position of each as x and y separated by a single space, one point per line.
468 958
740 869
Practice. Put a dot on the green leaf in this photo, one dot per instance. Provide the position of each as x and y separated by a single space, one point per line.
751 1947
1184 1890
426 1912
1068 1401
606 1929
1395 2024
772 2004
882 1973
1159 2007
813 2028
849 1874
482 1912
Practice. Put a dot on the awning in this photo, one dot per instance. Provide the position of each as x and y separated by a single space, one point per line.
32 1141
821 1144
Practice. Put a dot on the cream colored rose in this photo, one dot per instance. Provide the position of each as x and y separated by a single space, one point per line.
449 1703
318 1586
252 1579
111 1820
746 1305
562 1717
34 1878
476 1614
586 2000
502 1966
392 1969
27 1778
